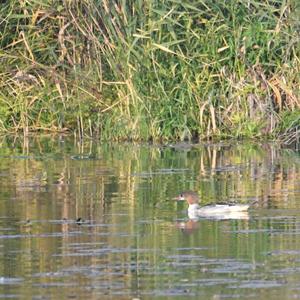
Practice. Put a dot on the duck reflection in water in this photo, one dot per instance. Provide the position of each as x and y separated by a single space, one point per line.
189 226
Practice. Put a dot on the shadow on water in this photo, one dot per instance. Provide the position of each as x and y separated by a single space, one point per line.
98 220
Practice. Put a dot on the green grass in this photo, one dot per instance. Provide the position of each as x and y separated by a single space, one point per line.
150 70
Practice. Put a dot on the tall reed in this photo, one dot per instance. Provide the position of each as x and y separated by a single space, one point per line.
151 69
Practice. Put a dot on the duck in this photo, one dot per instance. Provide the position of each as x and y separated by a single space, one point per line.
216 211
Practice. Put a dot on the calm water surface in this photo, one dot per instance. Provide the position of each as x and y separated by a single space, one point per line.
90 221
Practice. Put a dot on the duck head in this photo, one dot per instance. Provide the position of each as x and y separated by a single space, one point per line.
189 196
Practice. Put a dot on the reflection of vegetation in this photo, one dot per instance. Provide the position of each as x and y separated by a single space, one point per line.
124 189
150 69
221 171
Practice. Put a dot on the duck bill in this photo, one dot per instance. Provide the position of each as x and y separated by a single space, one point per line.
178 198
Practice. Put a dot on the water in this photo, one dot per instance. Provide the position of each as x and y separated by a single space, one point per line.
90 220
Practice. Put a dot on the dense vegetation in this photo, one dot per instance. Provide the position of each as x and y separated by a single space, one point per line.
151 69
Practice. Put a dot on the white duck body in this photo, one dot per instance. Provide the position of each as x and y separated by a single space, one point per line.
219 211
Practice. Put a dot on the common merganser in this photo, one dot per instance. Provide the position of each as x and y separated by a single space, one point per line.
217 211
